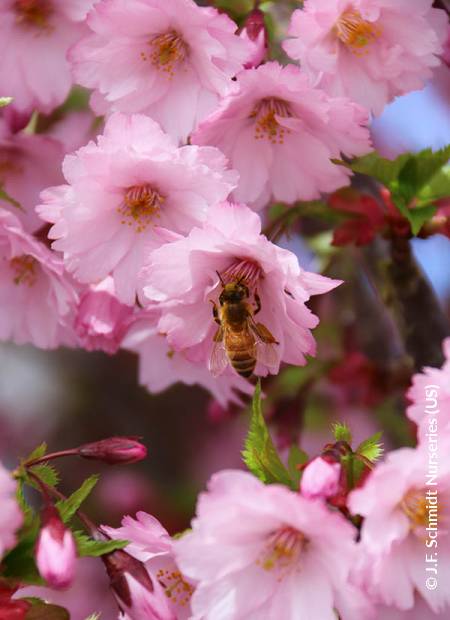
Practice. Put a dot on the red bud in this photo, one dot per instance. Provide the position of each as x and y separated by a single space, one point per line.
114 450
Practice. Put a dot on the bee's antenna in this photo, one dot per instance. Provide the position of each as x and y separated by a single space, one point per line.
220 278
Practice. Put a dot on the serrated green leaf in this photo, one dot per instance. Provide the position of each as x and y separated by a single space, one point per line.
296 457
342 432
418 216
419 170
45 472
5 101
95 548
259 453
7 198
37 453
410 179
386 171
437 188
45 611
371 448
68 507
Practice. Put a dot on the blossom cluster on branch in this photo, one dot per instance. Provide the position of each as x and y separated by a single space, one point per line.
149 220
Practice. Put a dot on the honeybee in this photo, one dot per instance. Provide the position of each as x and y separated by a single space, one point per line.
239 340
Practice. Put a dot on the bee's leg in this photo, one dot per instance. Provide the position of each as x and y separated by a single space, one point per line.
257 302
215 312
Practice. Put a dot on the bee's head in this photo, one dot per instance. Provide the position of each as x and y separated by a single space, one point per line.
234 292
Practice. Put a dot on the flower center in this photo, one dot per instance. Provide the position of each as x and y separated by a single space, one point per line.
414 505
33 12
245 271
24 269
176 588
355 32
283 550
141 204
267 113
168 51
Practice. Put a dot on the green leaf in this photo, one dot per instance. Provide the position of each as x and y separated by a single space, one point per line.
47 473
437 188
68 507
386 171
412 178
371 448
419 216
259 453
95 548
419 170
7 198
296 457
5 101
342 432
37 453
19 563
95 616
44 611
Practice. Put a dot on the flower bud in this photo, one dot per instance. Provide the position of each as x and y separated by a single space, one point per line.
55 550
320 479
137 595
254 32
102 320
114 450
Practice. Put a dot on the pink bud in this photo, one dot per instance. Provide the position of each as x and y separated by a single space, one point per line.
102 320
55 550
320 479
255 33
138 595
114 450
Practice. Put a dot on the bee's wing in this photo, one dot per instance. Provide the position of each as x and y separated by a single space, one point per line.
218 360
266 345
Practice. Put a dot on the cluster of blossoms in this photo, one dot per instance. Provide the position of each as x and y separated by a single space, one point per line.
146 231
144 239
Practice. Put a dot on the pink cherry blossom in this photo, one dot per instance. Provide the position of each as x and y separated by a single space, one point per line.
102 320
188 275
151 544
138 593
397 502
160 366
430 397
10 514
280 134
28 164
121 190
420 611
368 50
55 551
320 479
150 55
34 38
263 552
36 298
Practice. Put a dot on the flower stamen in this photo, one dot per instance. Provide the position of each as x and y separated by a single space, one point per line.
267 113
414 505
283 550
355 32
33 12
175 587
141 204
243 270
24 269
168 52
